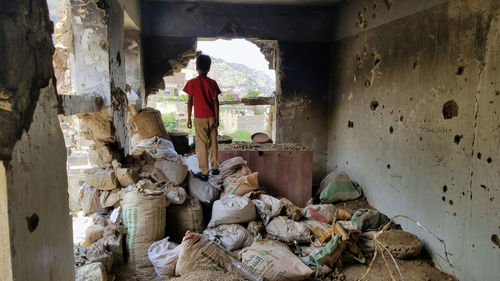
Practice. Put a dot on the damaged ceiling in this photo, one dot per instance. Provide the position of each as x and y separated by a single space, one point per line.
261 2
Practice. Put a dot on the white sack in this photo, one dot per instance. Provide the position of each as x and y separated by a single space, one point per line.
288 230
231 236
163 255
232 209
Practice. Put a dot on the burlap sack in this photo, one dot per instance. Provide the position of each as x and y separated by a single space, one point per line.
242 185
274 261
148 124
199 253
144 216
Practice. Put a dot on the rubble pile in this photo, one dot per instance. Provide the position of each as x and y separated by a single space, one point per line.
173 224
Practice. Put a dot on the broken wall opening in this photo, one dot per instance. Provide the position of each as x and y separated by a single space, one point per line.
244 72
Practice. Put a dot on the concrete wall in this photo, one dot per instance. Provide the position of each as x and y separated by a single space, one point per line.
409 158
35 235
170 31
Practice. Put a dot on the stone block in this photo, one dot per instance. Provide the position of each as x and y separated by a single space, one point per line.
91 272
89 200
101 179
126 176
109 198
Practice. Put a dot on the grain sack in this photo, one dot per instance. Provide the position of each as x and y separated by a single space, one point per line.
231 236
156 147
329 254
175 194
148 124
170 170
268 207
144 217
232 209
337 187
243 185
199 253
227 168
163 255
243 170
183 218
323 212
287 230
274 261
202 190
316 227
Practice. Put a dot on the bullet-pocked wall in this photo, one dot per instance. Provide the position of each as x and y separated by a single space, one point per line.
415 119
35 225
170 31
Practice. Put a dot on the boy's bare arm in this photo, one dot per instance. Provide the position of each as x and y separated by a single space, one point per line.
216 109
190 109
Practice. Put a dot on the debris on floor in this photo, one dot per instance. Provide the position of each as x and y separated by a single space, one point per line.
146 217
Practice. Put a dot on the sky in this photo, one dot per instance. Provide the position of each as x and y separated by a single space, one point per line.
237 51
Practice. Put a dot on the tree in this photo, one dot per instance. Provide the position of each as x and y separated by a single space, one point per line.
252 94
241 135
229 97
169 121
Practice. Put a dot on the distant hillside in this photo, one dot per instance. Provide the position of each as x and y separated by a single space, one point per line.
237 78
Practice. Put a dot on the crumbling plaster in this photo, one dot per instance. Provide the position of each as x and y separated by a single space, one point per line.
36 241
388 129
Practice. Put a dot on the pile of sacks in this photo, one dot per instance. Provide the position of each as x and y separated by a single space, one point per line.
256 235
125 201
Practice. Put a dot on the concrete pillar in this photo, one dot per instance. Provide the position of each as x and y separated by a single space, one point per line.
98 66
35 226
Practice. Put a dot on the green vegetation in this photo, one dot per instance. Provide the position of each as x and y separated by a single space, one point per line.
241 135
229 97
183 98
258 111
169 121
252 94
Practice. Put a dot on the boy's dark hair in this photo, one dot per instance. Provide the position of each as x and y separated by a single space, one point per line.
203 62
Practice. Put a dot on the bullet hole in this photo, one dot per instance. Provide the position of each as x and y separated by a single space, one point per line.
368 83
391 129
479 155
489 160
497 93
401 118
473 245
374 14
377 59
373 105
420 138
389 166
458 138
32 222
411 99
463 193
450 109
450 202
415 63
460 70
119 58
260 153
495 240
454 214
307 118
443 198
388 3
102 4
483 186
445 188
350 124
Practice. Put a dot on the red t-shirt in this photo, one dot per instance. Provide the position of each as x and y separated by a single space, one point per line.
203 90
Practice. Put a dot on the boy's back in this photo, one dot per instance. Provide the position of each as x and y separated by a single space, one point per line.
203 93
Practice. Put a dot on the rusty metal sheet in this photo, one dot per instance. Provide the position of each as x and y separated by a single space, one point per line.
282 173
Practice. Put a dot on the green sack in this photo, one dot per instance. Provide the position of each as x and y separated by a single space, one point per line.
335 188
329 254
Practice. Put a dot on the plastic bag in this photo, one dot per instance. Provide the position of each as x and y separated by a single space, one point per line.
337 187
231 236
163 255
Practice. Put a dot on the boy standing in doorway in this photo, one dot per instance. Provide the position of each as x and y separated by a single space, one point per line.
203 93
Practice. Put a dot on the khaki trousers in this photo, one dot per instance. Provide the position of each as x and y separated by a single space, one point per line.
206 142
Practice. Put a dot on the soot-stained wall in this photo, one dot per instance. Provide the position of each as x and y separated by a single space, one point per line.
35 232
170 32
415 119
